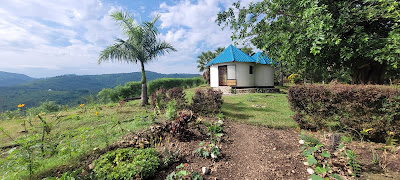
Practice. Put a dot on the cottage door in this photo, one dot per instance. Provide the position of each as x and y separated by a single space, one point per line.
222 74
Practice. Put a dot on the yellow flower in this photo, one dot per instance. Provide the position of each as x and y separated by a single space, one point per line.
96 113
391 133
368 129
81 105
21 105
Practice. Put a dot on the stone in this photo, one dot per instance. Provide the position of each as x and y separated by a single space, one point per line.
91 166
205 170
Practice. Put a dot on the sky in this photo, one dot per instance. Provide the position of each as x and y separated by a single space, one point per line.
46 38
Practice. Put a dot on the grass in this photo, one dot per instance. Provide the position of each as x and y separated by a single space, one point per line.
75 133
271 110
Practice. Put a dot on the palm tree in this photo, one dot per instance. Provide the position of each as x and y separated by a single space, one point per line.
141 46
206 57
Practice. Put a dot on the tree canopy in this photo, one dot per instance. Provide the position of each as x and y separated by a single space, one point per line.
360 37
141 46
205 57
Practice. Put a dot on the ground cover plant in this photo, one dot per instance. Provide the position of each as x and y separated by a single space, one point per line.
352 108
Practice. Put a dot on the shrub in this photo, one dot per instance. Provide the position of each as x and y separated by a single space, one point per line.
161 97
128 163
133 89
206 102
354 107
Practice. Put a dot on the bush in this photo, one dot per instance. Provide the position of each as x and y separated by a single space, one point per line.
352 107
134 89
128 163
161 97
206 102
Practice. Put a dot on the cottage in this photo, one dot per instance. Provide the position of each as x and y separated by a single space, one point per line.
234 68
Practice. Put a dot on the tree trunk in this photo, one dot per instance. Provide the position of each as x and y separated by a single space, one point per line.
281 77
370 73
143 96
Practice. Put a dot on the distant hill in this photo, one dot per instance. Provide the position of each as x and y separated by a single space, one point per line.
10 79
96 82
69 89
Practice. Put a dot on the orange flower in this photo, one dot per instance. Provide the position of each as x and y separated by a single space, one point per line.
21 105
81 105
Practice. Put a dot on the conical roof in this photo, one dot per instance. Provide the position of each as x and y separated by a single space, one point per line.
233 54
261 58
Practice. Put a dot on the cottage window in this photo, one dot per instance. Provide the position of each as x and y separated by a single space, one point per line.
251 70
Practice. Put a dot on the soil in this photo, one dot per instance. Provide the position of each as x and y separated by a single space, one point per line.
248 152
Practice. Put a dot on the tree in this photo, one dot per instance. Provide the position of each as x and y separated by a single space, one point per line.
206 57
247 50
320 37
141 46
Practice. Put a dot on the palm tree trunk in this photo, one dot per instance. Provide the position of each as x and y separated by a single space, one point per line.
143 96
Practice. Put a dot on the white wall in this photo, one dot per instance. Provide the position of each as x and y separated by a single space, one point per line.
264 75
214 76
243 77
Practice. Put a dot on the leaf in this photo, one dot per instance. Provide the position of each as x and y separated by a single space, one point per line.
182 173
325 154
316 177
180 166
336 176
320 170
311 160
206 154
307 153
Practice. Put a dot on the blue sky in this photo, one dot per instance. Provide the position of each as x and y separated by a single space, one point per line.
44 38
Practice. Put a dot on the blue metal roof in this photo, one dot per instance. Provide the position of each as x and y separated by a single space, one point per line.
233 54
261 58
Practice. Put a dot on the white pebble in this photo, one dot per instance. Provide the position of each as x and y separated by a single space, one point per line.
310 171
301 141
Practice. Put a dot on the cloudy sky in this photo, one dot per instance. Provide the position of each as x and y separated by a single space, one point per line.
44 38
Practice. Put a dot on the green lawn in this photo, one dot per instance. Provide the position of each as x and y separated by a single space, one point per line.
271 110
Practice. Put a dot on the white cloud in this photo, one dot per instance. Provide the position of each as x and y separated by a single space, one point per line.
46 38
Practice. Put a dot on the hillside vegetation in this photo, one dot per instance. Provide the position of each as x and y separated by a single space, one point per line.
69 89
10 79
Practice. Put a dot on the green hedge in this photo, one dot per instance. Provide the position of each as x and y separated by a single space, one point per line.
133 89
353 108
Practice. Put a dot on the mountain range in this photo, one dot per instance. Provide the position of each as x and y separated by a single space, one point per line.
66 89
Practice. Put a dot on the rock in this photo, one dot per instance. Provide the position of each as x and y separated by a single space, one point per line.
305 163
91 166
205 170
274 148
310 171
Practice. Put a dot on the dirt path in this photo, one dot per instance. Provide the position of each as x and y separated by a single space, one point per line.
253 152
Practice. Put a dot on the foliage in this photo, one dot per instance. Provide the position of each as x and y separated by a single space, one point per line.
208 150
160 98
206 102
205 57
294 78
179 127
320 159
170 111
183 174
133 89
70 89
127 163
351 107
63 139
319 38
142 45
